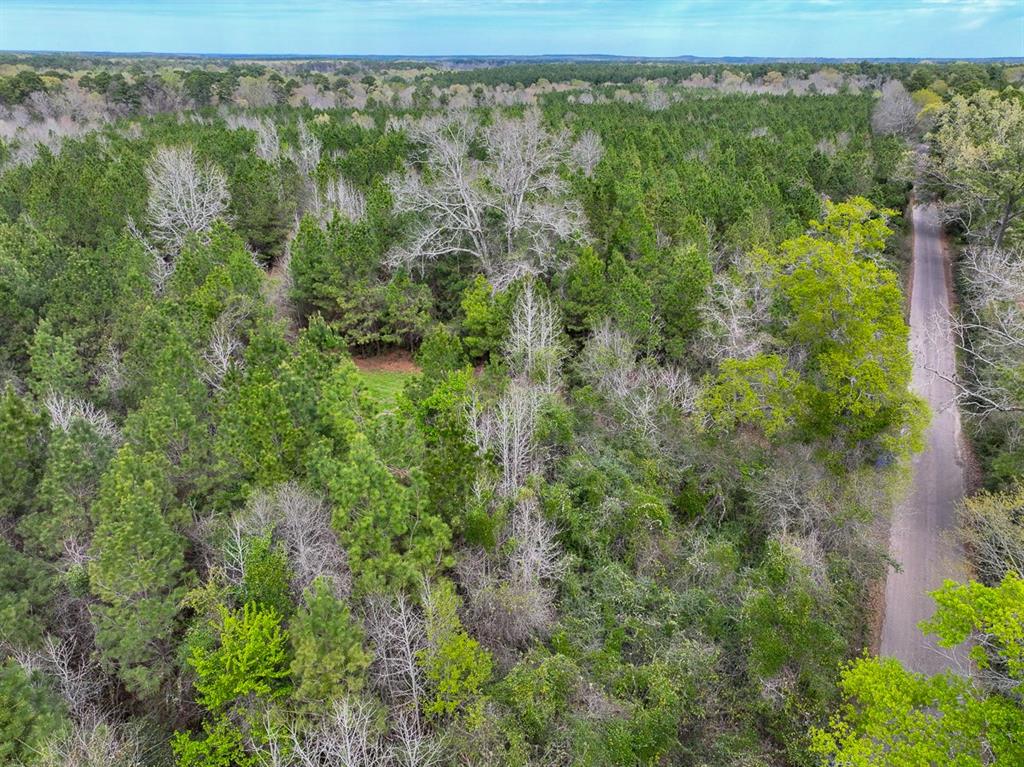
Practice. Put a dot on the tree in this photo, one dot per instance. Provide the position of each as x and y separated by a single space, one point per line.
990 527
455 667
893 716
249 661
758 392
29 713
977 163
185 197
390 537
329 661
845 312
451 460
76 459
895 111
22 446
534 348
136 570
509 212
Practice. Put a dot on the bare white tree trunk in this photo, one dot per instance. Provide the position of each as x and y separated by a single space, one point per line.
185 197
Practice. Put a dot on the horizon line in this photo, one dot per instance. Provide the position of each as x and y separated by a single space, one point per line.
423 57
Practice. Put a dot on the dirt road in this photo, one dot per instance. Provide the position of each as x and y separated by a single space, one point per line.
921 538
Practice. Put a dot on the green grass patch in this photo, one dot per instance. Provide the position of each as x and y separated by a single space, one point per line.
385 385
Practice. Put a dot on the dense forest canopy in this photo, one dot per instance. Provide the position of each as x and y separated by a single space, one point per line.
387 413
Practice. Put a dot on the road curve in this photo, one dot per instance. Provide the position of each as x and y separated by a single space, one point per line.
922 541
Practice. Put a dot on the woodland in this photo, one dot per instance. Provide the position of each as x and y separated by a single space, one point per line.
372 413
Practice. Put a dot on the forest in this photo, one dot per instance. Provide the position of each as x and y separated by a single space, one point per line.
372 413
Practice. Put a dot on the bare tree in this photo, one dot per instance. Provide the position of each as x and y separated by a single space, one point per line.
534 349
254 92
508 432
301 521
92 744
508 211
511 594
346 735
307 152
639 390
735 312
185 197
345 198
989 525
988 332
895 111
587 151
398 632
65 410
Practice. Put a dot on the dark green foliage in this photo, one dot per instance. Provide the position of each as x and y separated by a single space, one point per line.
75 461
30 713
25 593
22 447
136 570
392 540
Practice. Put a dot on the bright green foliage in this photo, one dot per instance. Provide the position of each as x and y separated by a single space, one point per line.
390 538
267 579
895 717
223 745
995 613
136 570
857 224
846 312
22 446
455 665
249 661
29 713
759 392
329 660
899 719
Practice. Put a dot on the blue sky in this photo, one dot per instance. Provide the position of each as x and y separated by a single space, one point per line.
834 28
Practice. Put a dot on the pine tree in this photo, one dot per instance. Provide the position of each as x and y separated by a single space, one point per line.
136 570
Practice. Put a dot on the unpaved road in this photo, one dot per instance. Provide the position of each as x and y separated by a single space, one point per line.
922 530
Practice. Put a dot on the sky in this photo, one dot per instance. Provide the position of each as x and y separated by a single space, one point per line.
775 28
